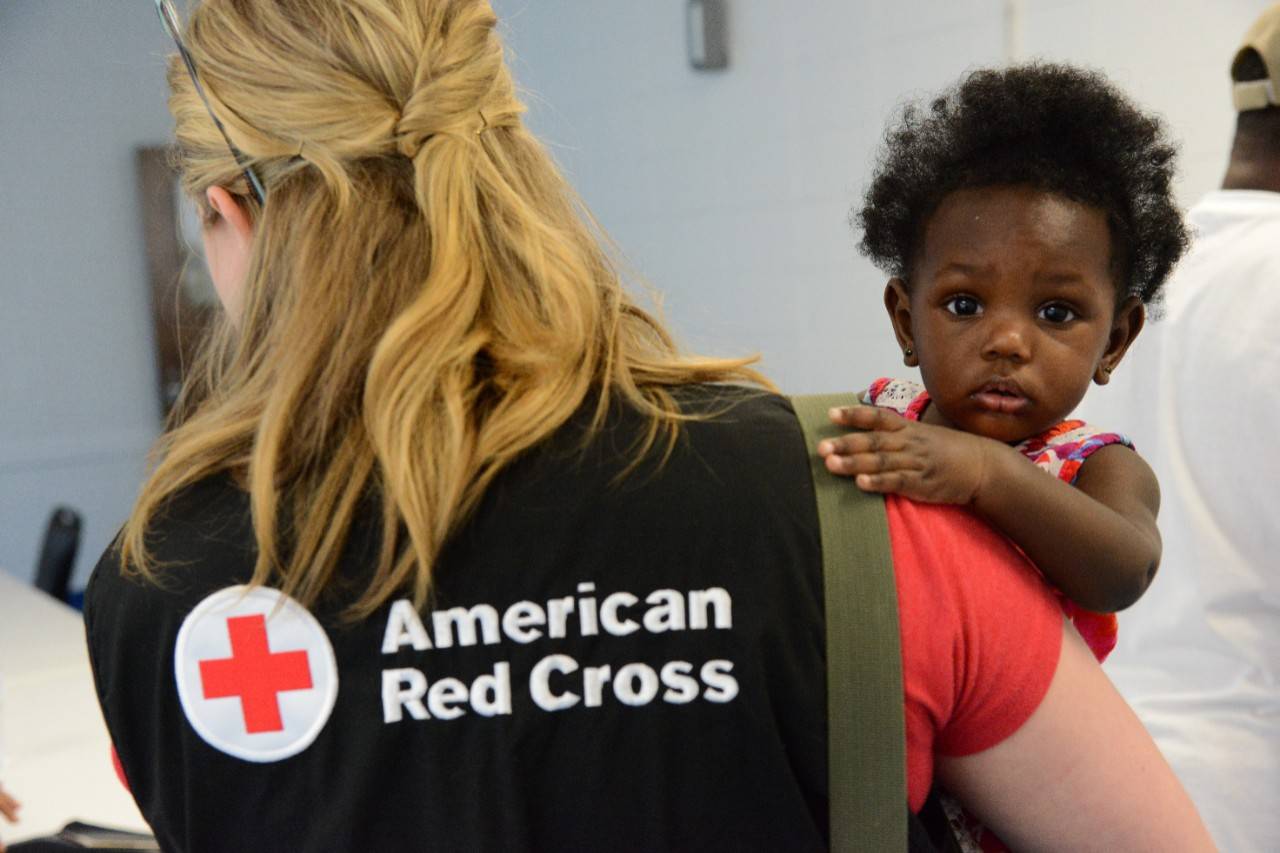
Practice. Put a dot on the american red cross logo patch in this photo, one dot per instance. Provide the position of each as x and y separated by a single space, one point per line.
256 673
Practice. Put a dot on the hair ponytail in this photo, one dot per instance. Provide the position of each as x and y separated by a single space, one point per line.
427 298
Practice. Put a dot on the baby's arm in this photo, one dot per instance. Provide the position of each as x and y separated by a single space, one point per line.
1096 541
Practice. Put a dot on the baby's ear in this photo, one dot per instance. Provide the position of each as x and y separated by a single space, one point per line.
1130 317
898 303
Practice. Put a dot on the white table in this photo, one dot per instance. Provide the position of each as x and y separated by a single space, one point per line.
55 756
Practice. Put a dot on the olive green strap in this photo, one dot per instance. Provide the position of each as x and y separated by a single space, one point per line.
867 768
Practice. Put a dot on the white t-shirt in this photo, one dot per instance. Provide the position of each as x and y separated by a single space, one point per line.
1199 655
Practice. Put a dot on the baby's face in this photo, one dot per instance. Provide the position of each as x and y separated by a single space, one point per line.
1011 308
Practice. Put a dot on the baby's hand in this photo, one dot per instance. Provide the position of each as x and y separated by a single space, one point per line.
919 461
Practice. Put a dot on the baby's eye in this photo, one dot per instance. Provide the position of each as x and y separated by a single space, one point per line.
1057 313
963 306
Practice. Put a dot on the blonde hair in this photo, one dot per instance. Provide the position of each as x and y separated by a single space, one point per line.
427 298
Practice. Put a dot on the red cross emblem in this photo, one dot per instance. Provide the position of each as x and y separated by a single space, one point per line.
255 674
281 667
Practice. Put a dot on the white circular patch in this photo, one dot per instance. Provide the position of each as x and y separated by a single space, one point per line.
256 673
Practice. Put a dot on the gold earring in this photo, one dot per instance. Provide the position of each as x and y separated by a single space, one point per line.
908 352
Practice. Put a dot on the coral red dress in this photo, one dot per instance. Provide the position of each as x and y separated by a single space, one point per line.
1059 450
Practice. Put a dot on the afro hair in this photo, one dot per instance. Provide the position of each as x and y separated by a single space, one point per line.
1058 128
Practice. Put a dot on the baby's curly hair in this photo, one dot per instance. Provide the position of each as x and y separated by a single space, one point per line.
1055 127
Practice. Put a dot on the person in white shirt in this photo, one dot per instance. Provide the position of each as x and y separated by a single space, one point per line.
1199 658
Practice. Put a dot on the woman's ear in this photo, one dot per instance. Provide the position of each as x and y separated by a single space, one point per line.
898 303
228 245
228 208
1131 316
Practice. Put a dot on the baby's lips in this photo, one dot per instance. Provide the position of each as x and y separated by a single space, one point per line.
1003 404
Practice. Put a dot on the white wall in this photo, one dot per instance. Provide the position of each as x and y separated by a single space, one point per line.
81 84
729 191
1172 56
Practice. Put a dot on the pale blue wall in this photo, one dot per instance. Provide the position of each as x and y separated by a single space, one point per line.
81 84
728 191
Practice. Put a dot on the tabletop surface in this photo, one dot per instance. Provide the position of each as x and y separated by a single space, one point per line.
55 755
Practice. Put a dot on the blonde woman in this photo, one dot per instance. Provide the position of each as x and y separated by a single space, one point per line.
447 545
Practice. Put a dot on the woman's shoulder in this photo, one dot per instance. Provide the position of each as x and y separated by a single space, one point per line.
748 441
742 418
726 400
210 513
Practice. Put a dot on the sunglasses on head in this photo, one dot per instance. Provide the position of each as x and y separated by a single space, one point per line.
169 17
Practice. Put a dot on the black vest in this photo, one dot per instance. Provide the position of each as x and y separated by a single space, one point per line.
612 660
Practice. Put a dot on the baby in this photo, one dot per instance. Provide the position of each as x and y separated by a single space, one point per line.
1025 218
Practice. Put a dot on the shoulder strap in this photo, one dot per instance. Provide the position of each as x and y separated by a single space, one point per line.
866 734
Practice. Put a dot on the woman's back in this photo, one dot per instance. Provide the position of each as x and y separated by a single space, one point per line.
605 663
